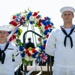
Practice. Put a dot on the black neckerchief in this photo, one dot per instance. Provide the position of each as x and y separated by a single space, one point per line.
67 35
2 53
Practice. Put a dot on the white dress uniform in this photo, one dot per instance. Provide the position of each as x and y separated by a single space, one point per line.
64 56
8 67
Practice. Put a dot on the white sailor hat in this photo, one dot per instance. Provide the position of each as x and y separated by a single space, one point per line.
67 8
5 28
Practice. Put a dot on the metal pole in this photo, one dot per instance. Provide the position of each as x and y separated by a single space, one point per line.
50 65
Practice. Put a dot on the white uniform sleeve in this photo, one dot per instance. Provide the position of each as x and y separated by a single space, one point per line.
18 60
50 45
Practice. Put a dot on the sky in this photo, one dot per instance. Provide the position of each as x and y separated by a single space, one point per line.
50 8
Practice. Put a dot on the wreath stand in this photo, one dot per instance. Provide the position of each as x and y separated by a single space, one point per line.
24 44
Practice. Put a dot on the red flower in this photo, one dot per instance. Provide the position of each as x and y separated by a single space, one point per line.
14 36
47 36
14 17
29 54
49 26
27 51
35 13
46 27
45 18
37 17
13 23
10 39
33 50
22 19
39 23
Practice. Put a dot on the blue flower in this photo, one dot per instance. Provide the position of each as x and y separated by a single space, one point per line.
23 54
21 48
34 55
29 14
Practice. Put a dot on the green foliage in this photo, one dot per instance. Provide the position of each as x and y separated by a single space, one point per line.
25 62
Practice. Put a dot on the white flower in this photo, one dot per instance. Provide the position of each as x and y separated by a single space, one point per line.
32 18
12 27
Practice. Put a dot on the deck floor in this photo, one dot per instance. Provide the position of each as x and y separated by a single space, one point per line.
44 70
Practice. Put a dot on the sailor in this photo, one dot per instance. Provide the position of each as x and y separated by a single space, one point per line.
8 52
61 44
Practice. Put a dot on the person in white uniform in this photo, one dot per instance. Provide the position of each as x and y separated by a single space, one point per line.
61 44
8 51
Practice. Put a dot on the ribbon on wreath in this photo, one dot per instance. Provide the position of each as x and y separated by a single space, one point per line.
43 57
